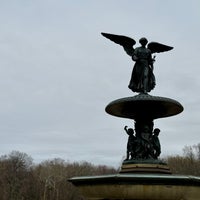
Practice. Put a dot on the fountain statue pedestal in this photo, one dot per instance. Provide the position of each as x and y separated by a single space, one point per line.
145 166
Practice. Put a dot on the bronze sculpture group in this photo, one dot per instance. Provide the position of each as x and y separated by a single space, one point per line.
145 146
143 142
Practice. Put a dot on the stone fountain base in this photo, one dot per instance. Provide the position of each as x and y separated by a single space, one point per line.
139 186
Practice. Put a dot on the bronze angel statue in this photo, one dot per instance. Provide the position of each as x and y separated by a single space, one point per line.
142 79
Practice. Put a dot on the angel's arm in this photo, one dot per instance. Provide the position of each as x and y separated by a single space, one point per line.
125 128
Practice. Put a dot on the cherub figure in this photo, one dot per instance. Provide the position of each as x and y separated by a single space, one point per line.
156 142
130 143
142 79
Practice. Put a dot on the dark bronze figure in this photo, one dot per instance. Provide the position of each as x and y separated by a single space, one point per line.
142 79
156 143
131 143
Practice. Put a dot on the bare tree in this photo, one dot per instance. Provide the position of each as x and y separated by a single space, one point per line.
197 151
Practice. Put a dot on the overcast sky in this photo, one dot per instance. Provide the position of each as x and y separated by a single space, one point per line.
57 74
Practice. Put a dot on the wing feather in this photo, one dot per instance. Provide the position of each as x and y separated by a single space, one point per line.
124 41
156 47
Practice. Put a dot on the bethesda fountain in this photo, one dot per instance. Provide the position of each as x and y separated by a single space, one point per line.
143 176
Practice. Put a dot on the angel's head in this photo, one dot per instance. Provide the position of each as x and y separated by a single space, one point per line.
156 131
143 41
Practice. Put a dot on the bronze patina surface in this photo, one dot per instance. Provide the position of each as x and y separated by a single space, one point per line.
144 106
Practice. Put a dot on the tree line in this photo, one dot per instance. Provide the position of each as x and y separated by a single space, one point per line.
21 179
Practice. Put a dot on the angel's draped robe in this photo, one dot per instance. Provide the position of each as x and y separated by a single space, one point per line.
142 79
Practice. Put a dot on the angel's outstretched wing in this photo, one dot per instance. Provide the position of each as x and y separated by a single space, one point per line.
156 47
124 41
